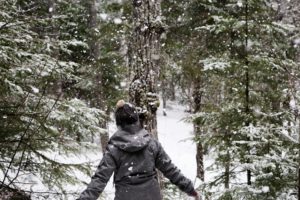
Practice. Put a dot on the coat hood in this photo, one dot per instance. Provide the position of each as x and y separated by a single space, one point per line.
131 138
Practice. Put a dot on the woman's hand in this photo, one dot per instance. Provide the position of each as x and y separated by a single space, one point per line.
195 195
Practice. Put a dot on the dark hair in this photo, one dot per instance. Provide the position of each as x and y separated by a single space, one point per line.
126 114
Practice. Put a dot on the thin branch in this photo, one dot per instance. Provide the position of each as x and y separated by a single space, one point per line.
23 153
20 142
4 25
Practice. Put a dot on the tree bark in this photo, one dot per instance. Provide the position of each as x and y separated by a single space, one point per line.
94 47
164 94
227 171
173 88
144 60
247 93
197 97
104 137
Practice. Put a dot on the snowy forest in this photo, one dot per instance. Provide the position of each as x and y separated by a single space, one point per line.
216 81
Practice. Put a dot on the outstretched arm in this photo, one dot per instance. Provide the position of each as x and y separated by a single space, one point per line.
100 178
169 170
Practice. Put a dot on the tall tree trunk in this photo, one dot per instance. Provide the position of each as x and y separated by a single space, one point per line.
197 97
94 46
227 171
247 94
173 88
144 59
164 94
104 137
298 184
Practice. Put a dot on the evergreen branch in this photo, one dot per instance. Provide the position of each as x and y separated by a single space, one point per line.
221 177
28 139
29 124
20 142
23 153
4 25
56 162
21 105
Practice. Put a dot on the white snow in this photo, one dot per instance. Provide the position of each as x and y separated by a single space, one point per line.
117 21
123 84
240 3
265 189
144 28
103 16
214 63
35 90
296 42
175 136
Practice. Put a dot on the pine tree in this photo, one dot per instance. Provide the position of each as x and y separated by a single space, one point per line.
244 114
42 51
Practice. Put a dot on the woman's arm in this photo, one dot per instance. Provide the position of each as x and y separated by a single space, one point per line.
99 180
169 170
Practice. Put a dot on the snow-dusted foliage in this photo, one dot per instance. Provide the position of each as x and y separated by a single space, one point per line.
42 110
245 118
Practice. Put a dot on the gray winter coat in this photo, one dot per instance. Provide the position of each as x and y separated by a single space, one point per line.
133 156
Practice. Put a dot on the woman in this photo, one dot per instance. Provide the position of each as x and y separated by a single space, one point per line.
133 155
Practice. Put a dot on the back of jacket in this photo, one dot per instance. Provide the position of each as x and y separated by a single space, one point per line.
133 155
135 167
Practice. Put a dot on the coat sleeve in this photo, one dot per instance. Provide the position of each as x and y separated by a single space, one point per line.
169 170
99 180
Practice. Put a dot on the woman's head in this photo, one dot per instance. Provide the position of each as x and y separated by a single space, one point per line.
125 113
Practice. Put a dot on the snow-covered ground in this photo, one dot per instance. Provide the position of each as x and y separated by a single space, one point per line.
174 133
176 137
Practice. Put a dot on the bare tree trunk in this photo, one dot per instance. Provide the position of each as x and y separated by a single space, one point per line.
164 94
227 171
144 59
299 159
173 88
199 157
104 137
247 93
247 110
197 97
94 46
